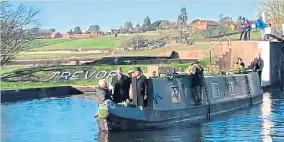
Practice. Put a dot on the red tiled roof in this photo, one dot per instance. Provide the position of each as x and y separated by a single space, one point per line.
211 23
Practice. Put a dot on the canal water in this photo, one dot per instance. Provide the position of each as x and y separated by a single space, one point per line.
71 120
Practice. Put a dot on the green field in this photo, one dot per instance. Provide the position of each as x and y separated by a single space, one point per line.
53 56
9 69
152 52
86 43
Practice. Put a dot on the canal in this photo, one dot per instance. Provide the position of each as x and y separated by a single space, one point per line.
71 120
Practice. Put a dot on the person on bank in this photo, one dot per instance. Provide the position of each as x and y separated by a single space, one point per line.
249 28
121 85
139 88
103 93
259 66
260 26
243 29
240 63
197 83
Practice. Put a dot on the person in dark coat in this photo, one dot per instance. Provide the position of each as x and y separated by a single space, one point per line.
139 88
243 29
259 66
103 93
197 83
121 85
240 63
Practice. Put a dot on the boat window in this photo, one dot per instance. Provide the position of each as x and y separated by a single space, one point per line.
215 90
244 86
175 94
231 88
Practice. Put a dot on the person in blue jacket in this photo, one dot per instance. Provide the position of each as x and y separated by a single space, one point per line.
260 26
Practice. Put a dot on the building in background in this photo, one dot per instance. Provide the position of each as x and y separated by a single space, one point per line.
205 25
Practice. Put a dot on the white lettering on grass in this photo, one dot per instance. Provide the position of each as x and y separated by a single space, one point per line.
75 76
104 74
86 75
53 75
64 75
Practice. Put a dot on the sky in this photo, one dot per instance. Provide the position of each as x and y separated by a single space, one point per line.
65 15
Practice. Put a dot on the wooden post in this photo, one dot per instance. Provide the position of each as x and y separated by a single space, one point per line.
210 57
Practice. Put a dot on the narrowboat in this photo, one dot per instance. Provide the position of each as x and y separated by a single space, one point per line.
170 102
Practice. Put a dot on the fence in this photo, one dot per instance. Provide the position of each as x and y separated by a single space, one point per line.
217 51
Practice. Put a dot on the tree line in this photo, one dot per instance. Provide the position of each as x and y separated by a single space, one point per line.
92 29
18 25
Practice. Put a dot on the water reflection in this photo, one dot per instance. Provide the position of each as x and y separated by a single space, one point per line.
257 123
192 134
71 119
266 118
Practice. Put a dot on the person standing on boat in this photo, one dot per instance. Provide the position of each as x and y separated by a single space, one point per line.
103 93
197 83
240 63
121 85
130 76
139 88
259 66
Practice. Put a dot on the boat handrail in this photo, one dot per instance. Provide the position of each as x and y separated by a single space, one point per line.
213 46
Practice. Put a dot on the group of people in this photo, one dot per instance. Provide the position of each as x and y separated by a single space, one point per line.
257 65
260 25
132 87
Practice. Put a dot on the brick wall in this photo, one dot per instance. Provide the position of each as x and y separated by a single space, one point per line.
227 54
184 54
248 51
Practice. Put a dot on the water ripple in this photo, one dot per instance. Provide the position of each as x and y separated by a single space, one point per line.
71 120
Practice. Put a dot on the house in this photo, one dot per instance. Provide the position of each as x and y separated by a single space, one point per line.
55 35
115 31
230 24
92 34
205 25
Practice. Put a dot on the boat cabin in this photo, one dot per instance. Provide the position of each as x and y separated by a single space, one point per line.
177 93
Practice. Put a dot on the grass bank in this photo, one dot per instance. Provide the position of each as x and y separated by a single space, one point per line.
150 52
86 82
86 43
255 35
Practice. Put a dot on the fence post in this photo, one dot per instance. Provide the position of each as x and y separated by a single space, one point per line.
210 58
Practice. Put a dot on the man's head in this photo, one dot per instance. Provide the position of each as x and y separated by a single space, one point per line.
102 84
259 56
260 18
240 59
130 73
119 71
137 71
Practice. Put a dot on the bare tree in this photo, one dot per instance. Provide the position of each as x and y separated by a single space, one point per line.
274 10
16 29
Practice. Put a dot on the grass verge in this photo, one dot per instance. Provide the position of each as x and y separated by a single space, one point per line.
86 43
32 84
255 35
